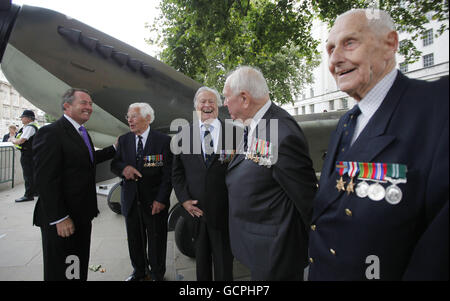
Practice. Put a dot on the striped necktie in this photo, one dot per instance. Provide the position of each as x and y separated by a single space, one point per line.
208 143
140 154
348 131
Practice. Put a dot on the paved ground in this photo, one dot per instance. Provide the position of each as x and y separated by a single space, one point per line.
21 249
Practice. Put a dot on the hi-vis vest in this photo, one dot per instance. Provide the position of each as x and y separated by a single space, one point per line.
26 146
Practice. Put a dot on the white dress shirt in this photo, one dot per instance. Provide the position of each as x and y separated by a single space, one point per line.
372 101
214 128
257 118
144 138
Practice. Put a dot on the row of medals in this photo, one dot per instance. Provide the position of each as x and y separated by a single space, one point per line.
259 159
376 192
262 158
153 164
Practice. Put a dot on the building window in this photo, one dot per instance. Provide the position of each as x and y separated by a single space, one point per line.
295 111
331 105
428 37
303 110
404 67
311 91
311 108
344 103
428 60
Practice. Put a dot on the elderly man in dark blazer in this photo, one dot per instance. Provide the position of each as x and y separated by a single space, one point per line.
271 182
199 182
381 211
64 161
144 161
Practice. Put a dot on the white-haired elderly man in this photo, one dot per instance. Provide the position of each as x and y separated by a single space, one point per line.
381 211
199 182
271 186
144 161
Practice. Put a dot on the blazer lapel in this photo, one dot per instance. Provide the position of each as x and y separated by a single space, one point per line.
195 145
262 130
239 157
220 142
373 139
131 145
371 142
76 137
149 144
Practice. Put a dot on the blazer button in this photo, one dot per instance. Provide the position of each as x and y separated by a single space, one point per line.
313 227
348 212
332 251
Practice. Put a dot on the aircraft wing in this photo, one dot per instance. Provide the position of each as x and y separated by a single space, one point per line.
43 53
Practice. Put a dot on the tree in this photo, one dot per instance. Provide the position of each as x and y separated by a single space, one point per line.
409 16
49 118
206 39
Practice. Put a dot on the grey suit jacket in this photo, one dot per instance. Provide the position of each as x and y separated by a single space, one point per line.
271 208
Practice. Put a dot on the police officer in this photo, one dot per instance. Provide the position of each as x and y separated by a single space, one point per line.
23 142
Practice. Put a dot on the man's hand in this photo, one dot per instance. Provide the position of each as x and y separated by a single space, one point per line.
65 228
19 141
157 207
193 210
131 173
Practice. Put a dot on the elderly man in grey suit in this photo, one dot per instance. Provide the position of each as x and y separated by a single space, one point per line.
271 182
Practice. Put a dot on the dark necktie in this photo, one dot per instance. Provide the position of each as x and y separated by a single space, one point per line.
209 144
245 138
349 130
140 154
84 134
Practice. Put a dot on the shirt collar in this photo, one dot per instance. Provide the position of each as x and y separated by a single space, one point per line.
372 101
144 134
75 124
215 124
257 118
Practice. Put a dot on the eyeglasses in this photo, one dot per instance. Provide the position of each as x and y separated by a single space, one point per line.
133 116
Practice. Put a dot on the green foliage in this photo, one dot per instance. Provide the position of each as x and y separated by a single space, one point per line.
206 39
49 118
409 16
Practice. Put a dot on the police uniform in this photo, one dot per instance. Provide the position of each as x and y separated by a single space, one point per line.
392 231
26 159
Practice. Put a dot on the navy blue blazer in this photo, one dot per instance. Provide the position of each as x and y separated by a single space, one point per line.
155 183
410 239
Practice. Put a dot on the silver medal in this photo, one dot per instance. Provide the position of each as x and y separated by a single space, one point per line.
393 194
362 189
376 192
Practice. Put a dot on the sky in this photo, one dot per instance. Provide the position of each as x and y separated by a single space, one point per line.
122 19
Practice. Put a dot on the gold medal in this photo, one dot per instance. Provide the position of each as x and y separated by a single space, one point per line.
350 186
340 184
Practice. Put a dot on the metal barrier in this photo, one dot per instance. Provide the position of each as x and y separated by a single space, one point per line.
7 159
